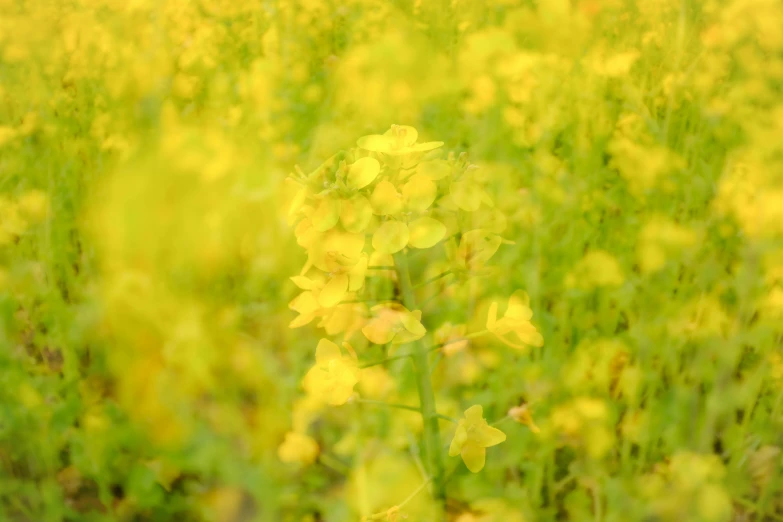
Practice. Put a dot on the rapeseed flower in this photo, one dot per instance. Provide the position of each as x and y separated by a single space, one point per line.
516 320
393 324
298 448
397 141
333 376
472 438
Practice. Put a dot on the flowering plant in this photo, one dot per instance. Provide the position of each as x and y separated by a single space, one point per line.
368 210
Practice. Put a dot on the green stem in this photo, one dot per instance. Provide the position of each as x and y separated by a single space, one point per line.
432 443
384 361
501 420
389 404
433 279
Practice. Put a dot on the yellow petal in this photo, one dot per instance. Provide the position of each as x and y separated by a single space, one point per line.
356 214
326 214
492 317
474 457
528 334
460 437
466 195
340 395
474 414
404 135
302 320
336 248
414 330
424 147
385 199
378 331
412 324
362 173
326 351
419 192
334 291
426 232
296 203
519 306
391 237
488 436
305 283
434 169
375 143
304 303
357 275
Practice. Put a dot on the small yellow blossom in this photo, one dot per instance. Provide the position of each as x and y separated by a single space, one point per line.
394 324
597 269
397 141
472 437
333 376
476 248
516 320
298 448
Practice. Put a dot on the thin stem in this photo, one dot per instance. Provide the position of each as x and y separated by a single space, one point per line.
389 404
368 301
457 340
501 420
430 349
433 279
432 445
380 268
410 497
384 361
395 509
446 417
334 464
434 365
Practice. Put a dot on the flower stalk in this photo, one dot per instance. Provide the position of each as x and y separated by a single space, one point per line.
432 444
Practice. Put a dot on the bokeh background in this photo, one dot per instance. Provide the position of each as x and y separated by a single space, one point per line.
147 371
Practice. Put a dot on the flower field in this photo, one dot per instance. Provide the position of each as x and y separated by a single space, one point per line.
396 260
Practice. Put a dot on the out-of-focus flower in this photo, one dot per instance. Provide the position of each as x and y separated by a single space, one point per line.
298 448
472 438
516 320
476 248
394 324
596 269
397 141
333 376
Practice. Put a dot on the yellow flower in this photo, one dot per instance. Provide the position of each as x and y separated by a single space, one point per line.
596 269
338 283
362 173
394 324
333 376
335 249
306 305
397 141
298 448
476 248
391 237
516 320
472 437
345 317
467 194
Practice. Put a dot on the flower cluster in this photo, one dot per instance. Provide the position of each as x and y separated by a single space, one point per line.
363 213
